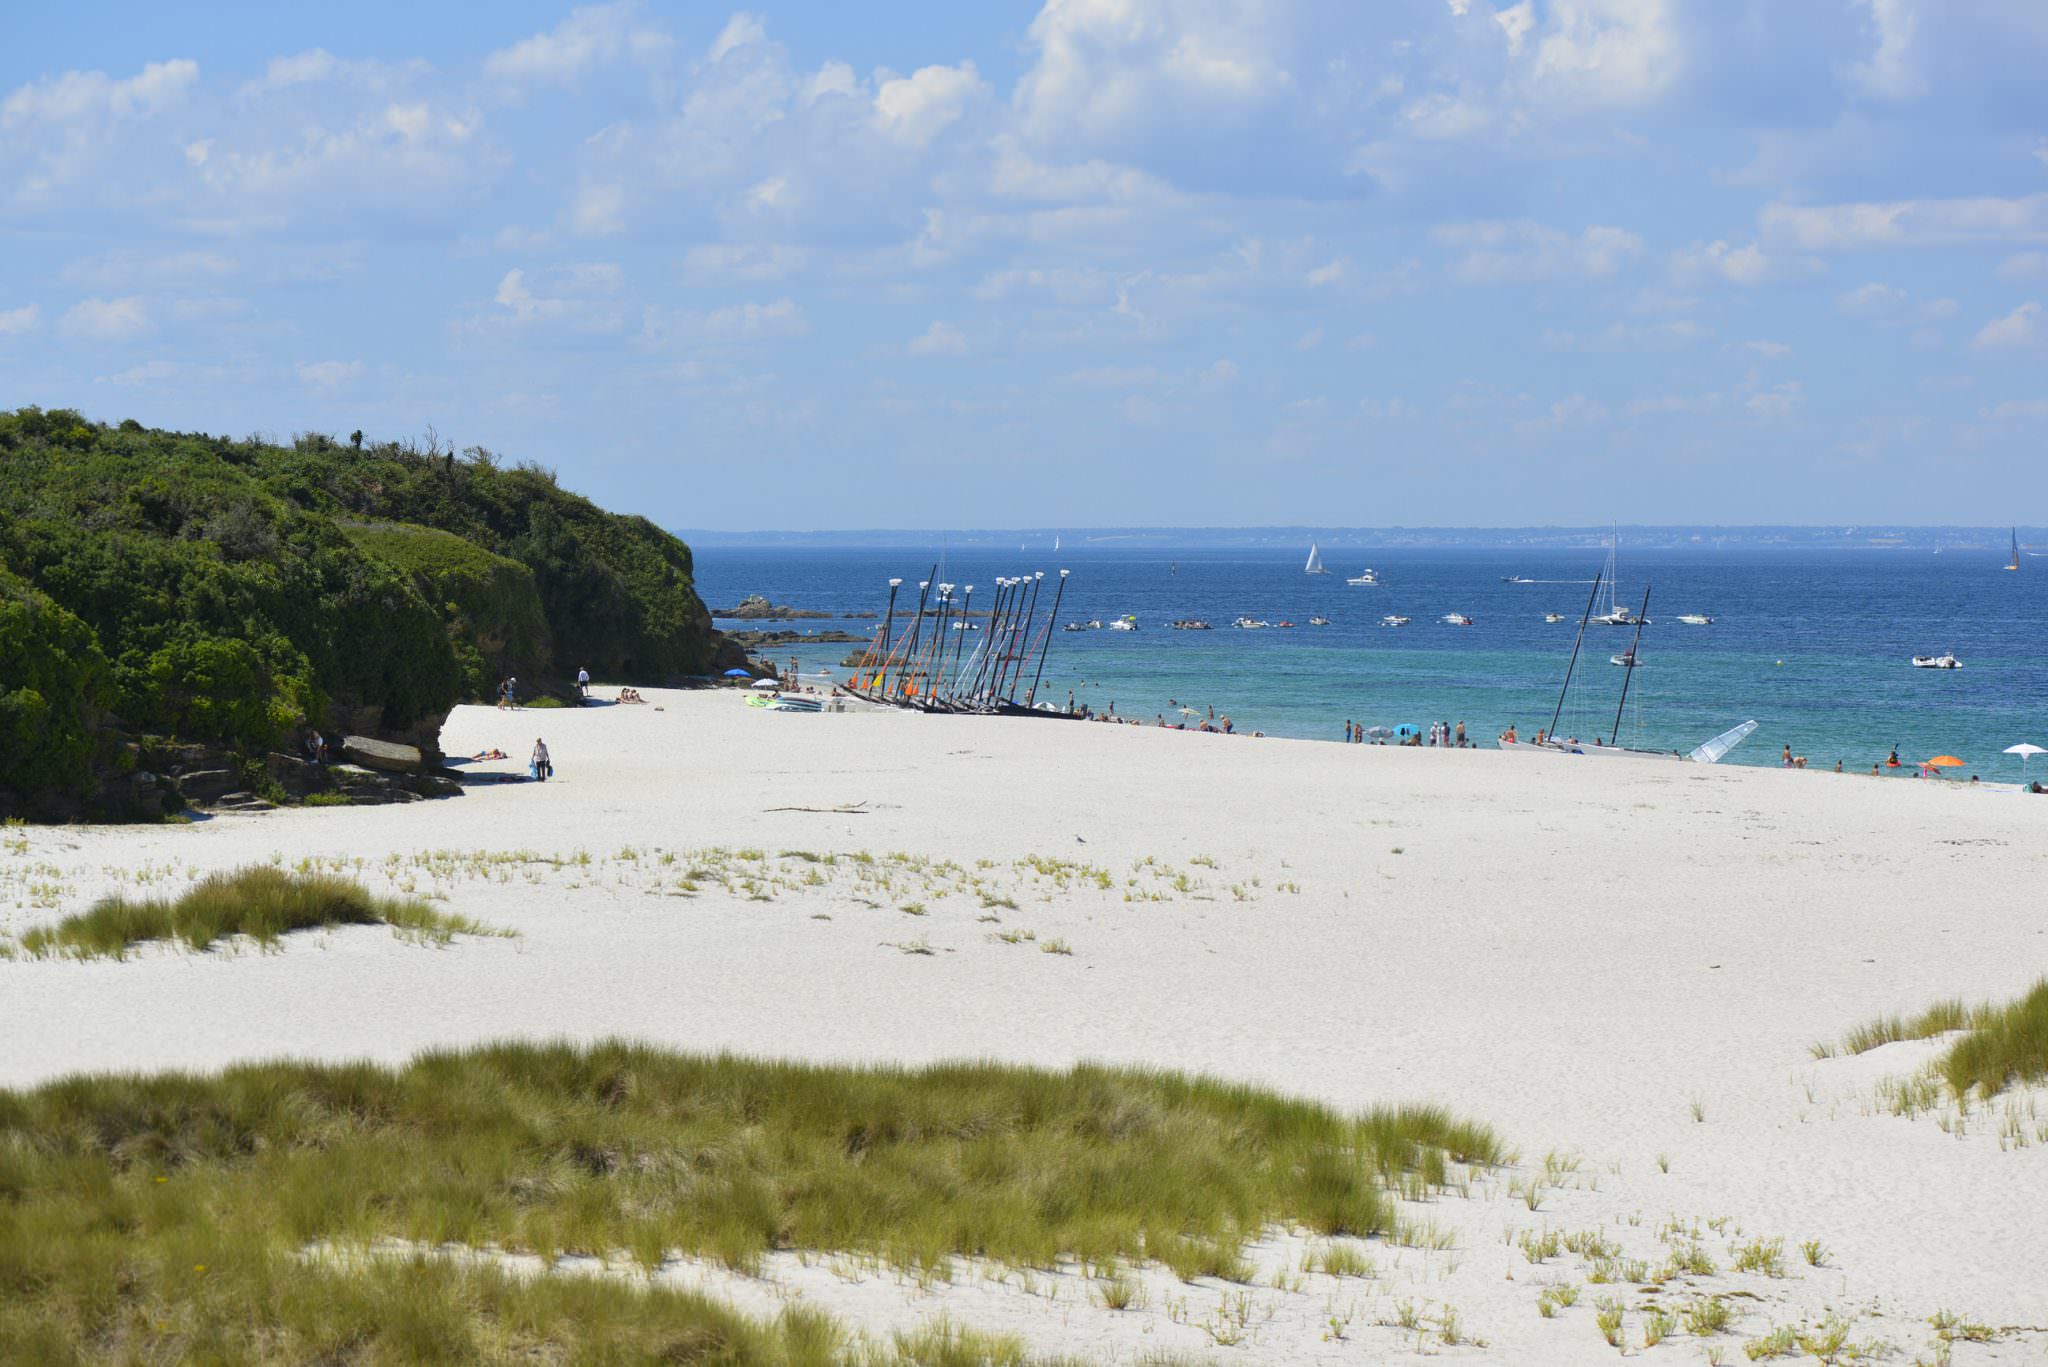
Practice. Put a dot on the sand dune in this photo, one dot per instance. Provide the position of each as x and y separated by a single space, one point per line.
1621 964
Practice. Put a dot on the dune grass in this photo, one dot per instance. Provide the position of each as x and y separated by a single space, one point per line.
262 903
2005 1044
169 1217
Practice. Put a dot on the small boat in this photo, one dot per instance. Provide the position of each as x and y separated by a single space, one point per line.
1457 619
1695 619
1279 625
1248 624
2014 562
1515 579
1124 623
1393 620
1190 624
1369 580
1315 561
1553 617
1319 621
1094 624
1073 626
1945 660
1627 659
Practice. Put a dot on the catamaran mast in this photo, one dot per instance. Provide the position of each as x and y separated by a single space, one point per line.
1584 617
881 641
1031 695
1630 672
1023 642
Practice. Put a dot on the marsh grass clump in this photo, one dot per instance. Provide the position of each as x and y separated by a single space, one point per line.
114 1189
262 903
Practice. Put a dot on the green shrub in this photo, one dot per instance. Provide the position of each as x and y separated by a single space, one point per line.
53 682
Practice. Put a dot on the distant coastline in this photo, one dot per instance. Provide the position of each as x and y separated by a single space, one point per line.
1836 537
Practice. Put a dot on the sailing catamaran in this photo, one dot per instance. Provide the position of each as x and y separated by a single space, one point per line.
1616 615
1708 752
1315 561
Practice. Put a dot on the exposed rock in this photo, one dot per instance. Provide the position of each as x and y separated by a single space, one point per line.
754 640
755 608
430 785
207 785
384 755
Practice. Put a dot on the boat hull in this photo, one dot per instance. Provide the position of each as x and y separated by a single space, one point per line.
1560 747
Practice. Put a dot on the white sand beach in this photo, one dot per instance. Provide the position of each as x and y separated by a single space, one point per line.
1621 966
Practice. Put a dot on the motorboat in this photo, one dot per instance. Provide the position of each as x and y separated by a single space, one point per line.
1627 659
1393 620
1617 616
1073 626
1553 617
1125 623
1945 660
1190 624
1319 621
1457 619
1516 579
1248 624
1695 619
1369 580
1094 624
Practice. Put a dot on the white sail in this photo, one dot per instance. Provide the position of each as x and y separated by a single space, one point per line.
1711 751
1315 561
1055 540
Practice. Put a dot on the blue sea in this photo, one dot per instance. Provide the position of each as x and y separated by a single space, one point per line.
1813 645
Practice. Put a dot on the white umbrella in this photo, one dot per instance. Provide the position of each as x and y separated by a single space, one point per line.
765 683
2025 752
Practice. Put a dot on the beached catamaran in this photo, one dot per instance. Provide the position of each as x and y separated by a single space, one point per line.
933 671
1709 752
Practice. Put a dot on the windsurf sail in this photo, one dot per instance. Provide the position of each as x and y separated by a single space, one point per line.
1711 752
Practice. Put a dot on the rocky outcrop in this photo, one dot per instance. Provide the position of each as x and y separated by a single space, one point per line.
754 640
755 608
383 755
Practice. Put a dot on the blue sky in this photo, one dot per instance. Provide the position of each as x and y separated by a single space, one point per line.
1078 262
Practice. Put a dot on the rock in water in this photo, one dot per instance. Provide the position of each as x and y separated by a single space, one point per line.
381 754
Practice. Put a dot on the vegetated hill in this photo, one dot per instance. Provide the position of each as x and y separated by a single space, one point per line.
220 590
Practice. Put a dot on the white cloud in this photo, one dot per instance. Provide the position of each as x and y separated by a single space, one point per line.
1909 222
1495 252
2020 328
2017 410
592 36
78 95
128 268
833 78
940 339
1889 72
329 375
1385 409
1680 332
107 320
1221 373
1744 265
2024 266
914 109
739 31
1778 402
581 298
1874 300
598 210
1439 117
1310 340
1330 273
15 322
1770 351
1108 70
749 321
723 263
1605 52
1116 377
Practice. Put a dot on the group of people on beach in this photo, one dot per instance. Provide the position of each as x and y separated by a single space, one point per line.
1441 735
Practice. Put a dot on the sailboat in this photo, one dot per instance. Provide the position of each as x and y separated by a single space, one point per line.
1708 752
1315 561
1616 615
1055 540
2014 563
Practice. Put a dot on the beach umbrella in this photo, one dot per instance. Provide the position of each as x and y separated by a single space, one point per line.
738 674
766 683
1377 731
1945 762
2025 752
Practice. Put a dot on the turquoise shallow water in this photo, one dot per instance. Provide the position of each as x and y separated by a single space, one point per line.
1813 645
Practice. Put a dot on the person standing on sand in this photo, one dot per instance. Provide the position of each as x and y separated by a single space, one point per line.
583 682
540 765
1461 735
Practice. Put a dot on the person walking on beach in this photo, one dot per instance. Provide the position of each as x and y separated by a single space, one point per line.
583 683
540 765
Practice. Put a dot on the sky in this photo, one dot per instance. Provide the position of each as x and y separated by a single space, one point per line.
1065 262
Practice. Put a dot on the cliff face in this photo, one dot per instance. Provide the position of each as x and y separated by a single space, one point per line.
185 587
